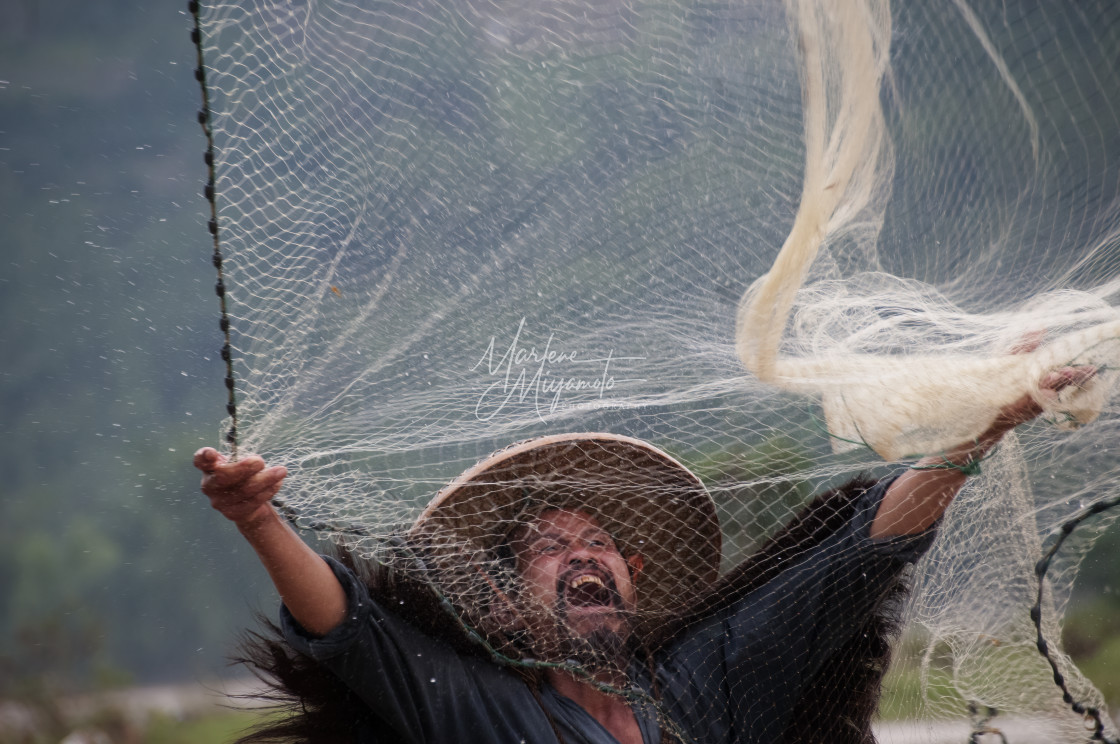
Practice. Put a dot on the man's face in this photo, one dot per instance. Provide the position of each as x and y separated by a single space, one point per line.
573 573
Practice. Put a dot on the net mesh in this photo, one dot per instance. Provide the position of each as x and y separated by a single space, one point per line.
784 243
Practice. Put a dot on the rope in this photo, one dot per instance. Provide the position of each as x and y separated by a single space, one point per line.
1089 712
981 724
204 120
212 225
970 468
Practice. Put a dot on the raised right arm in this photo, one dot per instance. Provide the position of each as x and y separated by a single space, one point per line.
241 492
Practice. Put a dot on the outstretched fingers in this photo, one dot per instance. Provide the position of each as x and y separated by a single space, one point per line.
1027 407
239 490
1060 379
207 458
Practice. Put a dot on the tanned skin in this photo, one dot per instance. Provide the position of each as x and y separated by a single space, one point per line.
918 497
560 547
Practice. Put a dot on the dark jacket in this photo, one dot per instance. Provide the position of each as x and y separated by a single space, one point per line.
790 646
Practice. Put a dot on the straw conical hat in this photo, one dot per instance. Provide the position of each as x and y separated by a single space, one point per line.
649 502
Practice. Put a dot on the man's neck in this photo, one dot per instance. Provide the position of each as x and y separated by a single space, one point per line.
611 711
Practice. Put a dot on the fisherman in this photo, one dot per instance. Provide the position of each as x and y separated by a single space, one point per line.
586 564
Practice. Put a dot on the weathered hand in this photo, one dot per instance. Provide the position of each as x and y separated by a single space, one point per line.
1027 408
239 490
919 497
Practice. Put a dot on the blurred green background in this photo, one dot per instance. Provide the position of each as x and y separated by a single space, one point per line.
113 569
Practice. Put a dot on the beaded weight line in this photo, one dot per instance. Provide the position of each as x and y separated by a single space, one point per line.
212 225
980 724
1091 713
285 509
290 514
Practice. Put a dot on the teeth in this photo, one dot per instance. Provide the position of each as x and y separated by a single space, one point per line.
586 579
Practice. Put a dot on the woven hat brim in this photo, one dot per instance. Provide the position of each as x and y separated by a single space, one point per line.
649 502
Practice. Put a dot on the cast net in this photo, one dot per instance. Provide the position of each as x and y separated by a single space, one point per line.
783 242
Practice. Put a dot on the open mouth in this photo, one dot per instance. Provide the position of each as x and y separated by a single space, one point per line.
588 590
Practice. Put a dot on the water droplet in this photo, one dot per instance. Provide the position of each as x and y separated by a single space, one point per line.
432 680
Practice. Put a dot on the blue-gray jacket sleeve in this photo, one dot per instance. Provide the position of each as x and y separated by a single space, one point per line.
417 685
735 676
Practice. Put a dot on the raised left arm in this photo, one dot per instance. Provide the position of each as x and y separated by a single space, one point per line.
918 498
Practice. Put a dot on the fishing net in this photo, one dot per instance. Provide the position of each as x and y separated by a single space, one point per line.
783 243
